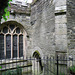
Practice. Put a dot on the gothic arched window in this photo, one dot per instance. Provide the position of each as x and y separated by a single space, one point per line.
11 42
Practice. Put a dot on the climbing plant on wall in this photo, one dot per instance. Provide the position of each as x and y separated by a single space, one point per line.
3 9
4 13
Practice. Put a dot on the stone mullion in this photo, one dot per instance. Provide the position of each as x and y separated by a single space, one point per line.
5 45
24 45
11 45
18 44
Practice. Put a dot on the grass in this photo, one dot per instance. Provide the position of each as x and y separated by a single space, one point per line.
72 69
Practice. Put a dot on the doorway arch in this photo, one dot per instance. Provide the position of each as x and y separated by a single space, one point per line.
37 56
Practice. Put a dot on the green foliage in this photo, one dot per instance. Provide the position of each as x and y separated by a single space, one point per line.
6 12
62 73
7 73
72 69
18 71
0 67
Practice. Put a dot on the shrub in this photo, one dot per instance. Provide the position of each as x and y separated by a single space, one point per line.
72 69
18 71
62 74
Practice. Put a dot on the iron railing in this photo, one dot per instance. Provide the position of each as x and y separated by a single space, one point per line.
38 66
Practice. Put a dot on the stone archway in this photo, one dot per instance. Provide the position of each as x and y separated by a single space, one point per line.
37 63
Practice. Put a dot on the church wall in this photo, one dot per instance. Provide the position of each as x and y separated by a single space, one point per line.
60 26
59 3
43 23
50 29
48 19
71 26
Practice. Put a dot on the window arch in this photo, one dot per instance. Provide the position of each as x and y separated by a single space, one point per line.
11 41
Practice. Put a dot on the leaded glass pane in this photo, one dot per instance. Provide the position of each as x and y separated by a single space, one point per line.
12 27
1 46
18 30
5 30
20 45
14 46
8 46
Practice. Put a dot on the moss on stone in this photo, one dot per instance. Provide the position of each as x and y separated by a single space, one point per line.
61 10
37 52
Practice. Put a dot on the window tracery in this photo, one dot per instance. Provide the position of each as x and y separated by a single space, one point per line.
11 42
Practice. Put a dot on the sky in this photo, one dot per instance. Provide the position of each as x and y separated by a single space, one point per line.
28 1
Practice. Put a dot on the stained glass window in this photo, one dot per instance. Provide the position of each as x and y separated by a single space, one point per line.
20 45
1 46
5 29
8 46
14 46
9 43
12 27
18 30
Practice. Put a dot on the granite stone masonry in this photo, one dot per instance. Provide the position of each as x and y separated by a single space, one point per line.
53 23
49 26
71 26
43 19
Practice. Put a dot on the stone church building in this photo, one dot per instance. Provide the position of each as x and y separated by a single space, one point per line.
44 27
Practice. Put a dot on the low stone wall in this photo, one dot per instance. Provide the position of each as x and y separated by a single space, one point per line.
25 65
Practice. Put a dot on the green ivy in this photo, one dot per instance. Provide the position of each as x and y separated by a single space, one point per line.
72 69
7 13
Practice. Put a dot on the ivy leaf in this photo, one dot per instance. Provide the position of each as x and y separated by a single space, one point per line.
10 0
9 5
7 13
0 67
5 9
4 17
